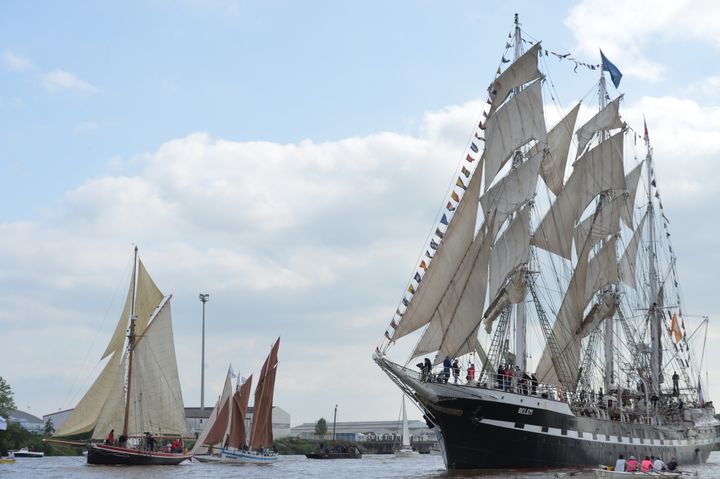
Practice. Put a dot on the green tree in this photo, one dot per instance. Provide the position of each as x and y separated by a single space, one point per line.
321 427
7 403
49 428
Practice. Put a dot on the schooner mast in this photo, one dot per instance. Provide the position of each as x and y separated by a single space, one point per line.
131 344
655 323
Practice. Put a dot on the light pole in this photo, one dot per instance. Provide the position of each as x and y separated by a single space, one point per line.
204 297
334 421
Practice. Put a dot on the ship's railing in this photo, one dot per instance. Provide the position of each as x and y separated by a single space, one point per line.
517 384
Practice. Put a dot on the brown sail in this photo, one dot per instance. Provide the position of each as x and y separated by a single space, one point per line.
238 434
217 432
262 435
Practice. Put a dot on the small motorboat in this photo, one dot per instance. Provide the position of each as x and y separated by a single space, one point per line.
25 452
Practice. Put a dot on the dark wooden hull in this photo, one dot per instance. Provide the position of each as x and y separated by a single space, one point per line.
334 455
103 454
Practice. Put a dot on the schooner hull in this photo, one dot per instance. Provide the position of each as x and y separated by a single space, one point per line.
102 454
493 429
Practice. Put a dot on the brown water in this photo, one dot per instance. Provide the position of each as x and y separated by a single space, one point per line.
287 467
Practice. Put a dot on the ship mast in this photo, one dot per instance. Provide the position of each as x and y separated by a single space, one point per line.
520 320
131 344
655 326
609 323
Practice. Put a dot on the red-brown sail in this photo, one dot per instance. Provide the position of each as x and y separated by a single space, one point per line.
238 435
217 432
262 435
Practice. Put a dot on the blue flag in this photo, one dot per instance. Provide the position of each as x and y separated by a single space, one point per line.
609 67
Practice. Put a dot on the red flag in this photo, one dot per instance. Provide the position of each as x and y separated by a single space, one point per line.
450 206
646 134
469 158
423 264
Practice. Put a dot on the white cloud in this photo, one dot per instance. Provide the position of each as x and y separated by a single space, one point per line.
623 29
311 241
58 80
17 63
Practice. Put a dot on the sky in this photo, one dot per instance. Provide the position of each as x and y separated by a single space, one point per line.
289 159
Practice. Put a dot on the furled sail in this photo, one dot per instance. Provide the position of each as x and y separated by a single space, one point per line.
606 119
458 237
513 125
522 71
262 434
600 169
631 181
558 145
629 258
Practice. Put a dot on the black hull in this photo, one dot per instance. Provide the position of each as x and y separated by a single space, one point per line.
492 435
334 455
101 454
492 429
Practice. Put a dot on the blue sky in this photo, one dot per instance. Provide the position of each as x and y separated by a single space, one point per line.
288 158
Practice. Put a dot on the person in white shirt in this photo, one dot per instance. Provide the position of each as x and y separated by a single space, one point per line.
620 464
659 465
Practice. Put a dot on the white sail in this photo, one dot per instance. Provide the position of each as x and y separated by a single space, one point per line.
460 309
112 414
631 182
588 278
558 145
598 226
156 402
443 267
510 251
606 119
600 169
513 191
406 429
520 72
86 413
629 258
513 125
147 298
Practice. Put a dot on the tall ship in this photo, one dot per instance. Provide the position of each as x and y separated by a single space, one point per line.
225 437
551 277
135 405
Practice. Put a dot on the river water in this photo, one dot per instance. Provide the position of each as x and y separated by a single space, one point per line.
287 467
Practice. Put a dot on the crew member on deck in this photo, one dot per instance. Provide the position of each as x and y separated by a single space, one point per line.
631 465
110 438
646 465
471 373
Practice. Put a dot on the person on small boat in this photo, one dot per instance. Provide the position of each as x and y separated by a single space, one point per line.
659 465
428 369
631 465
646 465
672 465
620 464
110 438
